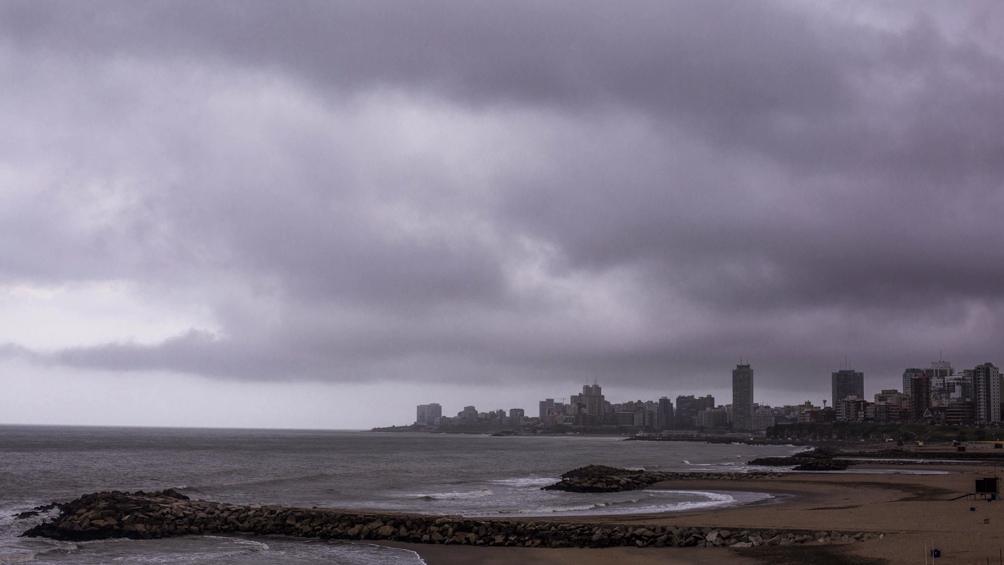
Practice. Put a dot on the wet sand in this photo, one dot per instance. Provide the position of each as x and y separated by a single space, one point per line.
916 512
465 555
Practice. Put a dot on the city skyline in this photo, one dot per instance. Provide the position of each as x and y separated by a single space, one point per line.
936 396
845 384
315 217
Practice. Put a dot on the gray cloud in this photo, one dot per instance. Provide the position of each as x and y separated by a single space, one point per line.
511 192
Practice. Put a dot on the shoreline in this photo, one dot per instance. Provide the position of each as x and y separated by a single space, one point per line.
465 555
887 511
914 513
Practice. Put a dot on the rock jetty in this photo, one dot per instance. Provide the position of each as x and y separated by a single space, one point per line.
162 514
820 459
600 478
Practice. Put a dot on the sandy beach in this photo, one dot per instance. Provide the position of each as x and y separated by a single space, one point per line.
915 512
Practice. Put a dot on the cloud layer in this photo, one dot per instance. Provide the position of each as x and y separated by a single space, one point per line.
447 192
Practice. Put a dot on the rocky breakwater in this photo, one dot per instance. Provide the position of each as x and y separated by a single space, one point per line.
600 478
820 459
162 514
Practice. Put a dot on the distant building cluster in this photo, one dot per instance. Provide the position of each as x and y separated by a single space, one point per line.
591 409
936 395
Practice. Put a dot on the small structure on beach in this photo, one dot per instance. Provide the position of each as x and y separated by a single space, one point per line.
987 488
987 485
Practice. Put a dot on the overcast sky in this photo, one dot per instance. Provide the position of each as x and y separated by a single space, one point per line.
320 214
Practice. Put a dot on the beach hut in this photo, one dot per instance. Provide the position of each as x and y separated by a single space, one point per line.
987 488
987 484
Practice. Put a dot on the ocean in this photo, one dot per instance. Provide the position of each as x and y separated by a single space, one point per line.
471 475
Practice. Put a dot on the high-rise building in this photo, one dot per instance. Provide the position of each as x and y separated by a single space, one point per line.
712 418
706 402
939 374
987 385
850 409
428 413
961 395
742 397
665 414
516 415
546 408
940 368
592 396
909 374
846 383
960 387
888 405
686 409
763 418
920 395
588 407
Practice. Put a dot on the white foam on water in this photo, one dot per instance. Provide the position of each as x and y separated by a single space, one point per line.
649 501
543 511
381 553
527 482
15 549
462 495
225 550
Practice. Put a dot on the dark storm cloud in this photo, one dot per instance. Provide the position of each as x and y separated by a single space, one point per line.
680 58
693 181
771 79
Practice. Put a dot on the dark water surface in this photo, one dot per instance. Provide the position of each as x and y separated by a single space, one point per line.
424 473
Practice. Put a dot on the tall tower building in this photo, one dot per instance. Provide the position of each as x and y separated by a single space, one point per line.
592 396
742 397
589 406
920 396
665 413
909 374
846 383
987 385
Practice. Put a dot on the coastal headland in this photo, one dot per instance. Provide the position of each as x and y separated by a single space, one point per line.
877 514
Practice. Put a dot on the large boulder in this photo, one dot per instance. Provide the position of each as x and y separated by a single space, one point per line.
600 478
819 459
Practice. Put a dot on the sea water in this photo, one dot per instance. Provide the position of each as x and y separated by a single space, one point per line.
470 475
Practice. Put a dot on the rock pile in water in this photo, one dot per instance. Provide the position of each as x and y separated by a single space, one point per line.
600 478
163 514
820 459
